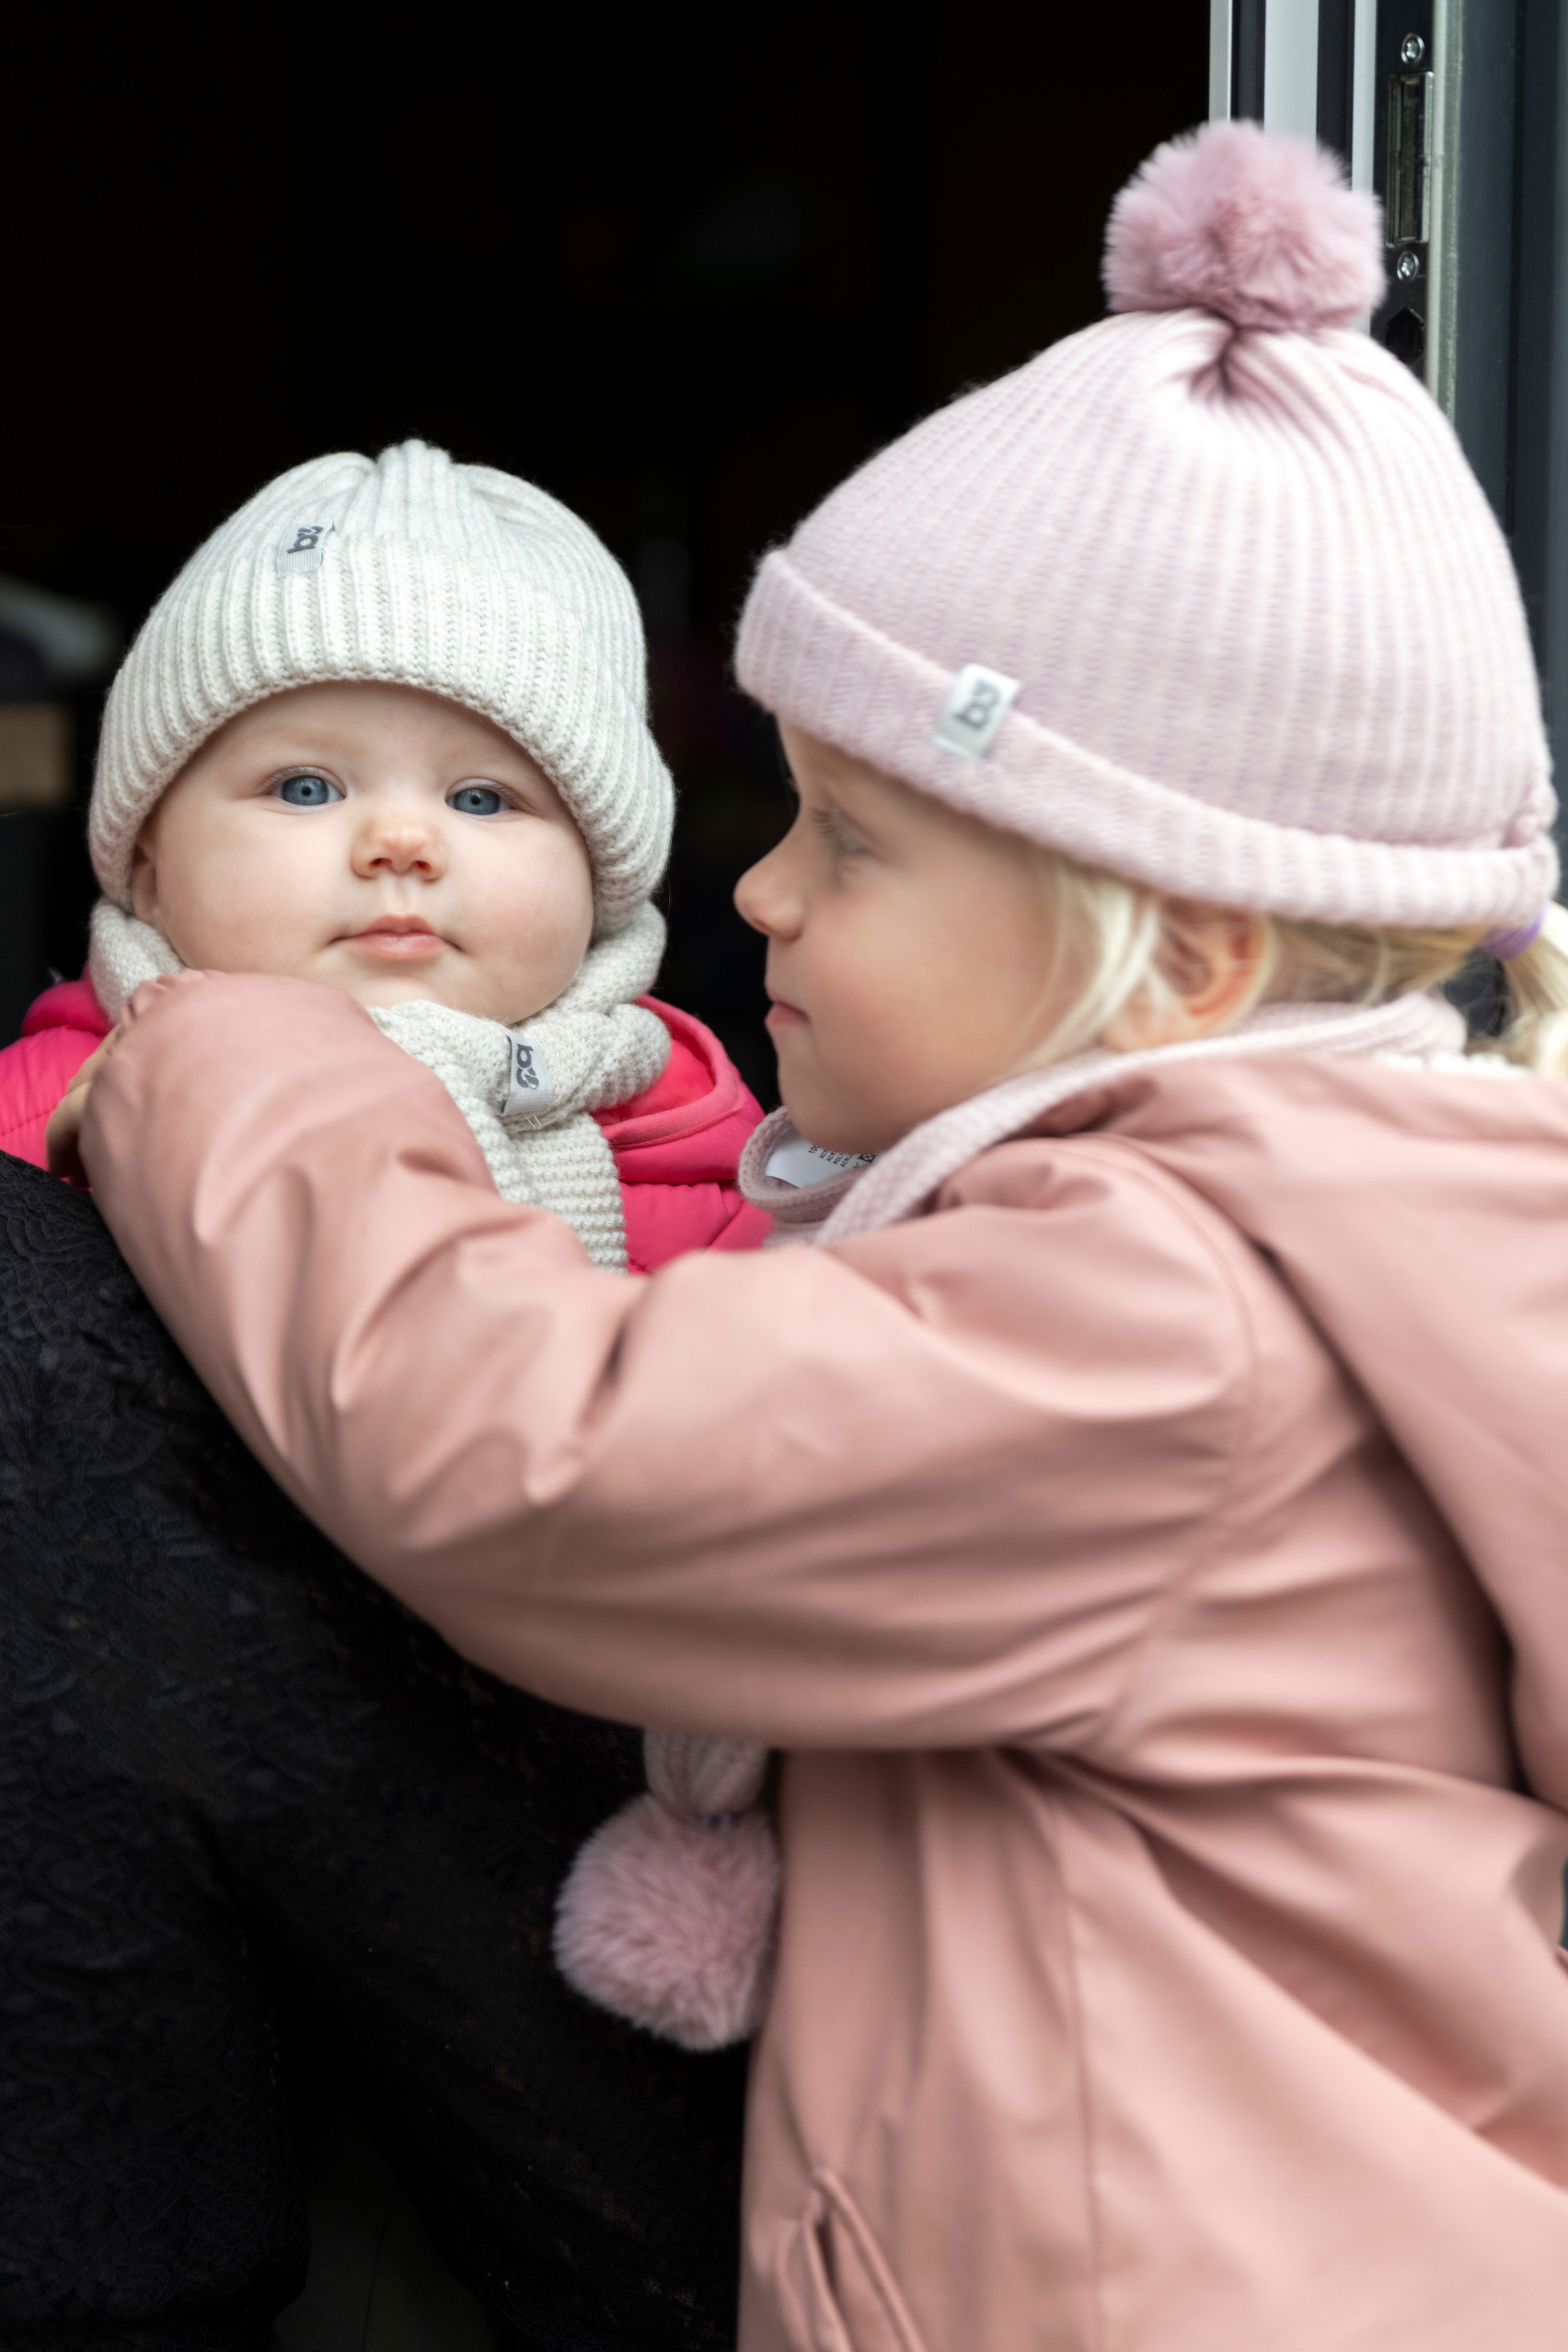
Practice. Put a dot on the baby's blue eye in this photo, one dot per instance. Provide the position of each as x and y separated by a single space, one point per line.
307 791
475 800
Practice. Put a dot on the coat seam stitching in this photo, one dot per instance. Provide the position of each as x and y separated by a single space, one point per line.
1242 1412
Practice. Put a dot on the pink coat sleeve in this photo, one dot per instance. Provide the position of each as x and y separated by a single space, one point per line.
924 1490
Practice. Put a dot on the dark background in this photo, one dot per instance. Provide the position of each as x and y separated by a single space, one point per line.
686 266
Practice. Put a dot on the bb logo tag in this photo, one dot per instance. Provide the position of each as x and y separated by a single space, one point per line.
976 707
303 548
528 1090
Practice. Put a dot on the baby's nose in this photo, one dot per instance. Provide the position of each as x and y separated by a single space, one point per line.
400 843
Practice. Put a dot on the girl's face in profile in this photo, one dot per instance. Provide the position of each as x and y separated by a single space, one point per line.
907 949
914 957
378 839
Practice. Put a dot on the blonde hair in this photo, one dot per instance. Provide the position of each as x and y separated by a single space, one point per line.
1118 948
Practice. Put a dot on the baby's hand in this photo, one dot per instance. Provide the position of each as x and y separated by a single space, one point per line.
62 1136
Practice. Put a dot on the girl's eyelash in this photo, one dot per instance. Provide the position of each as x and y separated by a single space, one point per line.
834 830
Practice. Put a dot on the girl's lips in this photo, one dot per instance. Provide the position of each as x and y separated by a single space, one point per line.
399 945
784 1016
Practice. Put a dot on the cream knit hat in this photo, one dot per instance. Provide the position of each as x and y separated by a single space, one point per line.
413 571
1206 595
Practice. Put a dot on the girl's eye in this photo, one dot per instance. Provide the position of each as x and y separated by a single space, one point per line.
307 791
476 800
840 840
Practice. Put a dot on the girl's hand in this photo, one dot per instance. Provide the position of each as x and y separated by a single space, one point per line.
62 1136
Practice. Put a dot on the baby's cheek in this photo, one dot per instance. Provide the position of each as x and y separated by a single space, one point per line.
533 935
262 905
252 937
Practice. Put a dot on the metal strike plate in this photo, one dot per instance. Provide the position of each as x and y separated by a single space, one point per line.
1410 116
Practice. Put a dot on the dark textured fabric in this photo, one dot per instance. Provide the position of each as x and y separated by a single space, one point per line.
236 1781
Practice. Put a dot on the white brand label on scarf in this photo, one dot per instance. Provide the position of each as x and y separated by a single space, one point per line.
303 548
528 1089
796 1162
976 707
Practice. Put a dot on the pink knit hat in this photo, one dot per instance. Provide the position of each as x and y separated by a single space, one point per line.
1206 594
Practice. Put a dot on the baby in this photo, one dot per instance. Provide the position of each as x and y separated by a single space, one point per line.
387 731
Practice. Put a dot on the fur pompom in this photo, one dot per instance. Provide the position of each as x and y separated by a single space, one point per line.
1258 227
670 1923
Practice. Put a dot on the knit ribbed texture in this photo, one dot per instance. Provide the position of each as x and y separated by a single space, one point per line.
796 1210
599 1049
702 1777
123 952
1269 644
457 579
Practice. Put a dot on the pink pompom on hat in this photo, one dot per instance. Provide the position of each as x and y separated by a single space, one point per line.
1206 595
1261 231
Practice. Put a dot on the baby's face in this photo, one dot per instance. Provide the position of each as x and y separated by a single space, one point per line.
375 838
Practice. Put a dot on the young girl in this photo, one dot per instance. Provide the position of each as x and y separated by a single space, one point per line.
1140 1523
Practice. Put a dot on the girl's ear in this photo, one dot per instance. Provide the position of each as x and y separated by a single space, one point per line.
1211 969
144 874
1211 959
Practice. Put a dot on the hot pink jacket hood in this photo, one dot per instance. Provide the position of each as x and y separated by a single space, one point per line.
1153 1560
677 1146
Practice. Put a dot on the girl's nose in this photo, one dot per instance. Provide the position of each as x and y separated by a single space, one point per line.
767 897
400 841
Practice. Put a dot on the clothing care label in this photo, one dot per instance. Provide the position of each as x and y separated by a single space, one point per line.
796 1162
303 548
976 707
528 1090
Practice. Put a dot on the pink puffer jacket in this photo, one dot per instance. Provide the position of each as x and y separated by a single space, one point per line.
1155 1561
62 1028
676 1146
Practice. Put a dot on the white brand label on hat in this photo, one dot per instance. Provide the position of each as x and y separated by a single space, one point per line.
974 710
303 548
528 1090
796 1162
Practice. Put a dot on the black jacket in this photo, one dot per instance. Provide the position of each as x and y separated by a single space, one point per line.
251 1812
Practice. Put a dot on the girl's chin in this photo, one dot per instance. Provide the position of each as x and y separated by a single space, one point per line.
822 1121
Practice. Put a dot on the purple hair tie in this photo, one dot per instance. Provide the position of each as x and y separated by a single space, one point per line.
1506 945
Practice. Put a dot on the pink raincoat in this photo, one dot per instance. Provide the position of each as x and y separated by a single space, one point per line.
1153 1560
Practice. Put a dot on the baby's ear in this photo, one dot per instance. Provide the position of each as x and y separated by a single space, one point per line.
145 875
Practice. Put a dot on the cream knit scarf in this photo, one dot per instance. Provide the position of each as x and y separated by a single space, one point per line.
526 1092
